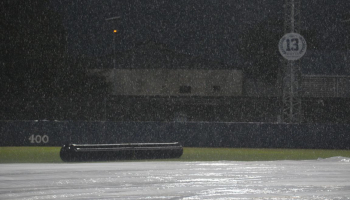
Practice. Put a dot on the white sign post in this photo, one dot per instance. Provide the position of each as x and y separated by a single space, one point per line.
292 46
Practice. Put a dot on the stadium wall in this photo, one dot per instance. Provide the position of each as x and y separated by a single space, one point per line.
189 134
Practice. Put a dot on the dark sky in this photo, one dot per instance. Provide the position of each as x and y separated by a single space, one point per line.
209 28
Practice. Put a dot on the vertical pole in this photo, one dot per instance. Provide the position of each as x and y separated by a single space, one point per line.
291 65
114 60
291 97
292 15
105 102
114 33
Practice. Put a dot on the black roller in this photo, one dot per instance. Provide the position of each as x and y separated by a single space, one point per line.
130 151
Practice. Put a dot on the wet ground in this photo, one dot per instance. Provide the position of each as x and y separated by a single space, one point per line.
314 179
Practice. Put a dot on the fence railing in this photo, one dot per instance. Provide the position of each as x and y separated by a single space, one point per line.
326 86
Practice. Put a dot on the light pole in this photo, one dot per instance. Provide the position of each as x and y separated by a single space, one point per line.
114 62
114 35
347 21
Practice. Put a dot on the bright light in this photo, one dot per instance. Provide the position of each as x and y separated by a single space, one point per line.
114 31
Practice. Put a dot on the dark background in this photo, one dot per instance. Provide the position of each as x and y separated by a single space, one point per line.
46 46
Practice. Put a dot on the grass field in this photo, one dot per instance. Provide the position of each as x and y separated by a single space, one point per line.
51 154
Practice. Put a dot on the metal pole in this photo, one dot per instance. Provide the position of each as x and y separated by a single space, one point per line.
291 64
292 15
291 99
114 59
114 33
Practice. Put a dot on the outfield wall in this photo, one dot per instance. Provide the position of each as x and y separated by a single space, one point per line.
189 134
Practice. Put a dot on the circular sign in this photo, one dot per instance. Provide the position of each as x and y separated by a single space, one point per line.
292 46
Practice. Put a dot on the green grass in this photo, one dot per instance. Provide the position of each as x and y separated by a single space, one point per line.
30 155
51 154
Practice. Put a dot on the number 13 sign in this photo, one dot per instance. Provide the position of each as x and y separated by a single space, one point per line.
292 46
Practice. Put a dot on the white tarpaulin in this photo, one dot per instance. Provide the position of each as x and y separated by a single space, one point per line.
314 179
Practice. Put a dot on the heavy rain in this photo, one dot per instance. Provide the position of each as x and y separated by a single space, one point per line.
131 88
